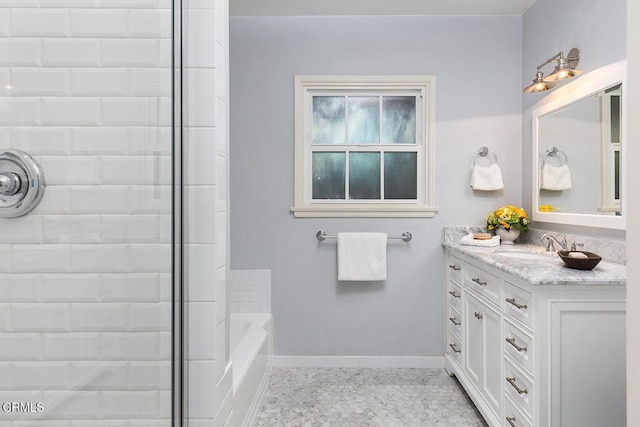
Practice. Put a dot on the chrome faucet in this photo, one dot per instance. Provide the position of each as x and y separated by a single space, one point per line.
550 238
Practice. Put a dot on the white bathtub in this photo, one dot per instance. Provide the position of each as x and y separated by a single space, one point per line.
251 349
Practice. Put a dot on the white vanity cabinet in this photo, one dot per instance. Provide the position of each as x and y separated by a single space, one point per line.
535 355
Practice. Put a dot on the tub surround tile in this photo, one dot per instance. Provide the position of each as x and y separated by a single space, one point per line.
371 397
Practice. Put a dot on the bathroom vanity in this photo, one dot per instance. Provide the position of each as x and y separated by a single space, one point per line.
533 342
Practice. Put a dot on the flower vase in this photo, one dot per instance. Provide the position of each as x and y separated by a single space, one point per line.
507 237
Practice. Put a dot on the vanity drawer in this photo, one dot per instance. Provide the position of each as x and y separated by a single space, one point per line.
519 345
454 348
454 267
486 284
519 387
518 304
454 320
454 295
513 417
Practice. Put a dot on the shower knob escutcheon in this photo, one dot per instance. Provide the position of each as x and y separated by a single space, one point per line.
22 183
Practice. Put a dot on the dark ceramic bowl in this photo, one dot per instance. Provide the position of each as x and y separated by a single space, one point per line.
580 263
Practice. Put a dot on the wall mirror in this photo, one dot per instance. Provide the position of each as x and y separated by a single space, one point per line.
579 150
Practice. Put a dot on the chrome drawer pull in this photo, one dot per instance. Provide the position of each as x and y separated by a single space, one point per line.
454 267
512 381
513 302
478 315
511 420
512 341
453 294
453 347
454 321
477 280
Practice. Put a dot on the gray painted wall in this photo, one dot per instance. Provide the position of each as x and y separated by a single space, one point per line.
598 29
478 68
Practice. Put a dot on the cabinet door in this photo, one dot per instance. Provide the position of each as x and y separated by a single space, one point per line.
483 361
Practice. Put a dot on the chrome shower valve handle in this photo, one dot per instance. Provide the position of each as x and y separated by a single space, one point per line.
21 183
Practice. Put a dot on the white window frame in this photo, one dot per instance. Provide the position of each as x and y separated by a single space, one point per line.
423 87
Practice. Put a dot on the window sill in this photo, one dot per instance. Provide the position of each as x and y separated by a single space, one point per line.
396 211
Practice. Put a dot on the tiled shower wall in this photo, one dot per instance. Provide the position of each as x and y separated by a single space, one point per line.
85 279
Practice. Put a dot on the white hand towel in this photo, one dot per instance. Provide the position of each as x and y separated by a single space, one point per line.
486 178
555 178
362 256
469 240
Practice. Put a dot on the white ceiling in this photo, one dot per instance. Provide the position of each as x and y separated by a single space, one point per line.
377 7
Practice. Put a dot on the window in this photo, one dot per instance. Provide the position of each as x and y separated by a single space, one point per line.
364 146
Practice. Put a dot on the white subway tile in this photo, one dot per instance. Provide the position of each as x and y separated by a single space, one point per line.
6 374
130 111
200 4
201 156
70 287
71 228
40 258
129 346
54 201
99 258
150 23
41 140
5 258
70 170
99 199
71 111
166 228
248 307
130 53
5 136
150 139
133 4
17 52
129 404
26 229
133 287
326 362
20 287
201 215
150 82
99 82
202 392
222 21
201 37
69 3
166 287
100 423
98 317
150 375
201 97
5 317
41 375
39 82
152 169
72 404
166 53
202 332
369 362
221 341
130 228
39 22
150 316
40 317
98 23
248 285
19 3
166 345
99 140
221 294
97 375
71 346
71 52
150 257
221 255
20 346
5 22
165 422
19 111
150 199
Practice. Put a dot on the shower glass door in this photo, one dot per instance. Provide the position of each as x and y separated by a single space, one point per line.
86 277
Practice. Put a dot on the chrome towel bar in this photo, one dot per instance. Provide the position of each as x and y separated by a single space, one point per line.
321 235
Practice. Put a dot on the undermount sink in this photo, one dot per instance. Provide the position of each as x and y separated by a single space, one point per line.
523 254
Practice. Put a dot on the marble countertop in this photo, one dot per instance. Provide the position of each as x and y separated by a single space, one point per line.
537 267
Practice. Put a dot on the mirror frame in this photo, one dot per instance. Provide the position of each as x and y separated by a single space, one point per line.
586 85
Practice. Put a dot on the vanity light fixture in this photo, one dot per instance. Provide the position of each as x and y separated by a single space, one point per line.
565 69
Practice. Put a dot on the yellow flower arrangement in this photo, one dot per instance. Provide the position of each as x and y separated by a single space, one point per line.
508 216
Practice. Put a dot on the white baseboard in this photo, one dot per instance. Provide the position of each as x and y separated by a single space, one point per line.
358 362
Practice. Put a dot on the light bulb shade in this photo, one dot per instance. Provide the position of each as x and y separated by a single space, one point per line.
539 84
562 74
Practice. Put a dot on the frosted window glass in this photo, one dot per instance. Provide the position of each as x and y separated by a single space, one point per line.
364 120
400 175
328 175
328 120
399 120
364 175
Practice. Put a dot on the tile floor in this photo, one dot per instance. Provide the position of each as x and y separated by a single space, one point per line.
366 397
